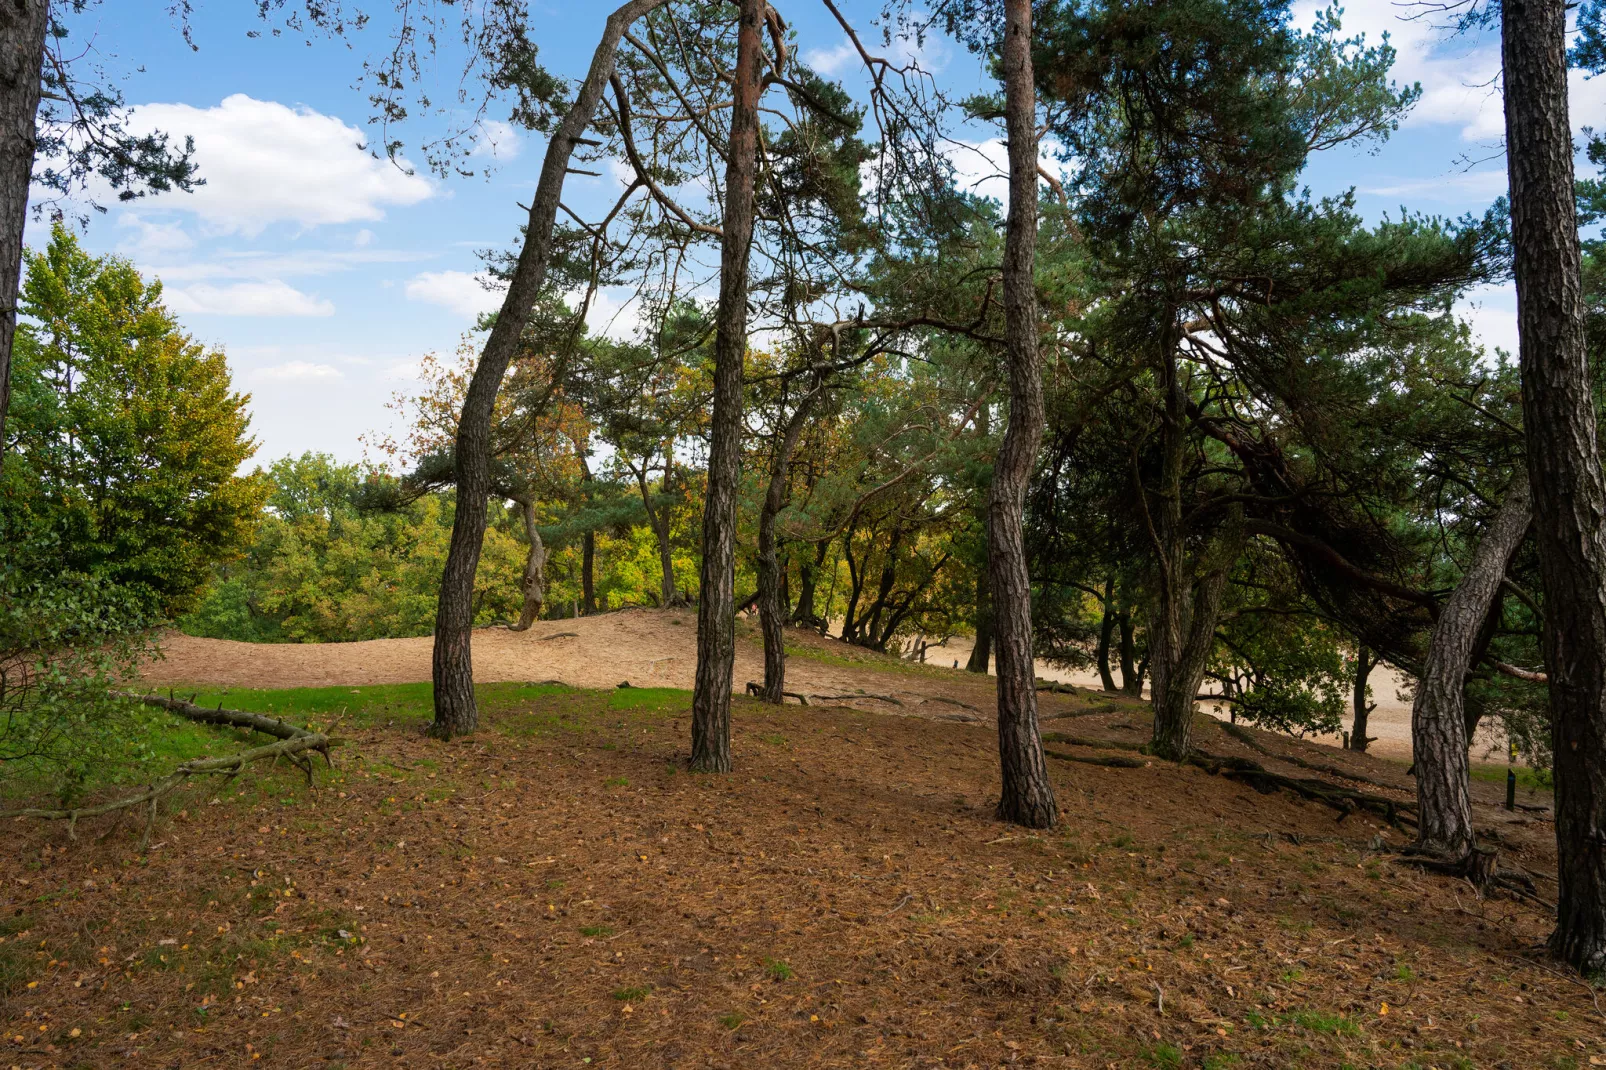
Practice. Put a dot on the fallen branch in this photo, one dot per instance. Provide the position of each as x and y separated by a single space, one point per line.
294 748
257 722
564 635
1057 688
757 690
1089 741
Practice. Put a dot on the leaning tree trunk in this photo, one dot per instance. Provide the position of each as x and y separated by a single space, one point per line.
22 50
1364 664
1027 797
1569 494
1438 724
1106 636
716 609
808 580
534 581
771 573
453 668
1176 689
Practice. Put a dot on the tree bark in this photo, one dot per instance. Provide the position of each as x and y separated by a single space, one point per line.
1176 687
534 581
668 593
808 581
716 613
1569 493
771 574
22 50
1131 671
1364 663
453 666
1027 796
1438 725
1106 636
981 652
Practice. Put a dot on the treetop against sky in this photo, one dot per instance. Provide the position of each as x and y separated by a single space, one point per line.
327 272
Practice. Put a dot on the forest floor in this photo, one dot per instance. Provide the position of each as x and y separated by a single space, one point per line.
557 891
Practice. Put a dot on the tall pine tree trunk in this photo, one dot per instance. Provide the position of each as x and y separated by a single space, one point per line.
1027 796
22 51
716 609
453 666
1438 724
1176 685
1569 494
668 593
1364 663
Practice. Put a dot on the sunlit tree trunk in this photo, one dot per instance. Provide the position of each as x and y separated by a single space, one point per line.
1027 795
534 581
453 666
22 50
716 609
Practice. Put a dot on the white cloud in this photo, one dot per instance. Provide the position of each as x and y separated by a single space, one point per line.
496 140
464 293
253 264
272 298
832 62
911 42
1462 186
1491 312
146 239
267 163
1458 74
982 167
363 237
296 370
612 314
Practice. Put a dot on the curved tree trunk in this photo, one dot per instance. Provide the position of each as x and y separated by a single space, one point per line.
771 573
716 611
808 580
1027 796
534 582
22 51
1569 493
1106 636
1364 664
453 666
1438 724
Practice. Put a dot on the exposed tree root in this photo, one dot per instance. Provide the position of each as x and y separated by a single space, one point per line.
1481 868
1118 761
1058 688
861 694
1345 800
293 743
1089 741
1247 739
951 702
757 690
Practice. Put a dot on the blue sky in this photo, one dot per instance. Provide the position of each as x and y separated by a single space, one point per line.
326 274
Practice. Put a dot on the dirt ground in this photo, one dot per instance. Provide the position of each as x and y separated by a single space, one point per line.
557 891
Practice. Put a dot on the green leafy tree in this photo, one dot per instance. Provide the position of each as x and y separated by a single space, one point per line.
127 434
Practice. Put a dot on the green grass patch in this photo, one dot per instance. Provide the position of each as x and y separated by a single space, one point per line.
655 699
1323 1022
630 995
1527 779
